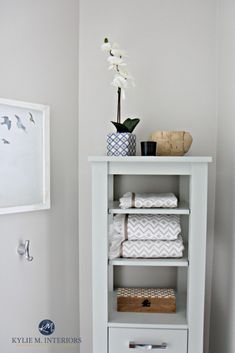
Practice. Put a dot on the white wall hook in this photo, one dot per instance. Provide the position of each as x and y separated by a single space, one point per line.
23 249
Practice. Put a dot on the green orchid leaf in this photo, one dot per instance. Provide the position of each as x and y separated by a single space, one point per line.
120 127
131 124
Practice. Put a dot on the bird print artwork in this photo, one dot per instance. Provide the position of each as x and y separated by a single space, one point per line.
20 124
6 121
6 142
31 118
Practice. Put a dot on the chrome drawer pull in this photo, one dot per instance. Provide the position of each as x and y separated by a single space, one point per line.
147 347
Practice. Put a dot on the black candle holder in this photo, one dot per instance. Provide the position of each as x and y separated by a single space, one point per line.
148 148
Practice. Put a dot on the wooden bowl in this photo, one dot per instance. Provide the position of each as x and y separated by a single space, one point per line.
172 143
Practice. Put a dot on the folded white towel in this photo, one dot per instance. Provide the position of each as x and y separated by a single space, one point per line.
153 248
144 200
158 231
147 227
153 227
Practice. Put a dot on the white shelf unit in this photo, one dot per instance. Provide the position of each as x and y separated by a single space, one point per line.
115 332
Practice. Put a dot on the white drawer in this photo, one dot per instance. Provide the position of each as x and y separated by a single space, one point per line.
126 340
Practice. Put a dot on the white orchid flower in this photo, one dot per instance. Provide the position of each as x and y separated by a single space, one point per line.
119 53
115 63
115 67
119 82
122 76
106 47
125 73
114 60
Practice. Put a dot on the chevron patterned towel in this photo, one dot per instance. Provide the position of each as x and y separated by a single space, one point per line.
152 248
153 227
142 228
136 200
147 227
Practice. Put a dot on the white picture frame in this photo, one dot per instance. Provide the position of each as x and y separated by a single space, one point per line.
24 156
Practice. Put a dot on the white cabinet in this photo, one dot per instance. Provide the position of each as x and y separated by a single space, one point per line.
182 332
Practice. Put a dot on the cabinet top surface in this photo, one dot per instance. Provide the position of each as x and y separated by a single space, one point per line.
157 159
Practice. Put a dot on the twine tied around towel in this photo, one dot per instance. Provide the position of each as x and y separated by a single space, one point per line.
133 200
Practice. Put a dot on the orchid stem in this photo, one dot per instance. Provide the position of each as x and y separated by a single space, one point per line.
119 106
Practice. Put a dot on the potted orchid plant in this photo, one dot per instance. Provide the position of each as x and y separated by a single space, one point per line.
123 141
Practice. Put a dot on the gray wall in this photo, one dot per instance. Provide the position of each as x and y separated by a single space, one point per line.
223 294
39 63
171 47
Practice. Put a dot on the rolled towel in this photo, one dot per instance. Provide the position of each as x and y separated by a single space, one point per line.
144 200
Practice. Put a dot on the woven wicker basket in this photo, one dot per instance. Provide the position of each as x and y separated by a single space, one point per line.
172 143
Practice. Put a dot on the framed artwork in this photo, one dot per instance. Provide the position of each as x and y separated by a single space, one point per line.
24 157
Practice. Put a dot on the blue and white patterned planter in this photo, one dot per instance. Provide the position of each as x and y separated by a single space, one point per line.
121 144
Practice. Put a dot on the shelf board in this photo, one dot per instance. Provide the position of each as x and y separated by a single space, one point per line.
182 262
148 320
153 159
182 209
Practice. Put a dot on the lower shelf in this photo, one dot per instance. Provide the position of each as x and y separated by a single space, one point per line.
148 320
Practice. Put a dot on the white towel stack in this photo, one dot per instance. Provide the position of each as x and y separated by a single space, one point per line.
146 236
